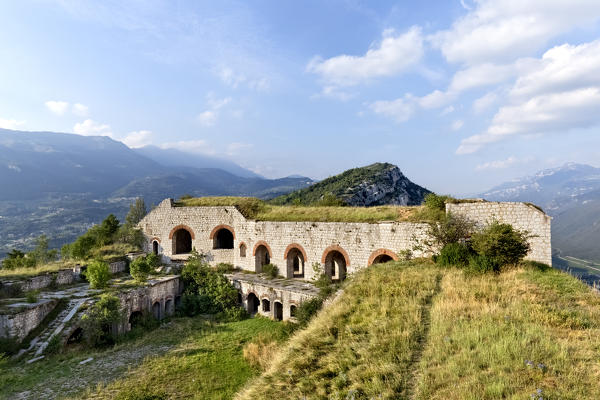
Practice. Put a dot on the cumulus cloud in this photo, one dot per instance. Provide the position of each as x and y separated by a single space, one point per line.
92 128
57 107
189 146
137 139
400 110
561 93
499 164
485 102
503 30
80 110
10 123
392 56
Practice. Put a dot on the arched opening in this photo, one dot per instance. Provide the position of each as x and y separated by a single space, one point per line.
261 257
182 241
135 318
242 250
382 258
295 264
252 301
278 311
335 266
156 310
223 239
169 307
177 301
239 298
76 336
292 310
266 305
155 247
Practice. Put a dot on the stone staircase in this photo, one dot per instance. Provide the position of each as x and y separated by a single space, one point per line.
38 345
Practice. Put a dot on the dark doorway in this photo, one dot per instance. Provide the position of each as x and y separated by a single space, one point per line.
381 259
135 318
335 266
252 303
223 239
292 311
262 257
266 305
156 310
182 242
295 264
278 310
155 247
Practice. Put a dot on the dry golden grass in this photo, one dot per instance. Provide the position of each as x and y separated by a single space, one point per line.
22 273
518 334
256 209
260 352
361 346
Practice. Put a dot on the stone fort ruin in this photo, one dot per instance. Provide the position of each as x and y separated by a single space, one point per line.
303 249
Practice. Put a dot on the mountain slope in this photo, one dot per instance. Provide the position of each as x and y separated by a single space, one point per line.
177 158
571 195
35 164
375 184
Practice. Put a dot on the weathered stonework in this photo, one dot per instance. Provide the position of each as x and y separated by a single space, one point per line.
26 318
117 267
522 216
358 243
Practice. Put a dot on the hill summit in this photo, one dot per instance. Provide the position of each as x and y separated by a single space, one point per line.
373 185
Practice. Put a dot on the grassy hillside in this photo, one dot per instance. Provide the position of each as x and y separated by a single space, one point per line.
346 188
254 208
414 330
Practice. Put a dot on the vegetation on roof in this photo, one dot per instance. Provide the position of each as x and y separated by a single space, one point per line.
253 208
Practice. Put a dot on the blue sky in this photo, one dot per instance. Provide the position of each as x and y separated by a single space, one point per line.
461 95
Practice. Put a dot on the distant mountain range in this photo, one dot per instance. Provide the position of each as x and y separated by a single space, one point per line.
373 185
571 195
59 184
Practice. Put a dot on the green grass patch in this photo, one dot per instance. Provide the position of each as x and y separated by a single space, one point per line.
361 346
253 208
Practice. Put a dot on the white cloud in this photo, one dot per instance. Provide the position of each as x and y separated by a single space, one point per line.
561 93
503 30
10 123
234 79
137 139
435 99
485 102
481 75
57 107
80 110
498 164
392 56
400 110
447 110
216 104
92 128
189 146
235 148
207 118
456 125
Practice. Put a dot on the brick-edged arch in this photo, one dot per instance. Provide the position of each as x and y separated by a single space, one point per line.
155 239
335 247
264 244
178 227
294 246
381 252
219 227
243 244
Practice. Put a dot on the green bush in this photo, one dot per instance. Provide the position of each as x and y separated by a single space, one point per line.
98 274
481 264
436 202
193 304
8 346
456 254
501 243
307 309
32 296
451 229
224 268
153 261
270 270
140 269
99 321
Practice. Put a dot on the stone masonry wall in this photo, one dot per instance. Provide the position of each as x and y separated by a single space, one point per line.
359 242
520 215
18 325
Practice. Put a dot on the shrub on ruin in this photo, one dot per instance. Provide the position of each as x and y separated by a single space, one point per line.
308 309
32 296
501 244
455 254
452 228
153 261
100 320
98 274
139 269
270 270
224 268
481 264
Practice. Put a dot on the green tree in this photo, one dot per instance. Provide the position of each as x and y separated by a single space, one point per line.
99 321
41 253
140 269
106 231
137 211
501 243
451 229
98 274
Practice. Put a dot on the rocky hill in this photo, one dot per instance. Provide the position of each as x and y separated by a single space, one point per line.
373 185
